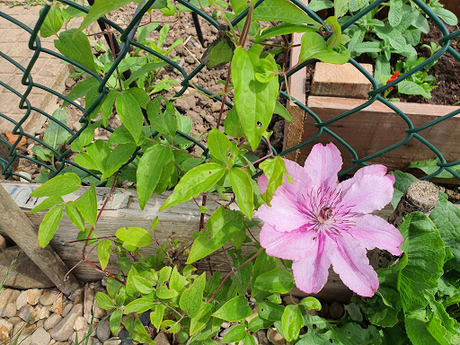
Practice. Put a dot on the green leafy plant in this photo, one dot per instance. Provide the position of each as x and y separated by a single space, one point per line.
418 296
392 28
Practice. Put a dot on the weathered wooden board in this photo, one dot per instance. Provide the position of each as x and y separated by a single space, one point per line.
340 81
178 222
378 127
452 5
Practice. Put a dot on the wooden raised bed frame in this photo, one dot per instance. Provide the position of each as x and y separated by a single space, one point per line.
377 126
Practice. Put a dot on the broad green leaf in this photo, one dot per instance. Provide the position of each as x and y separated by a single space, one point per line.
141 96
277 280
115 321
259 323
142 285
137 331
236 334
177 281
238 5
395 13
101 8
235 309
165 274
318 5
221 227
254 101
134 236
336 37
313 46
282 111
74 215
430 166
104 249
52 23
198 322
196 181
156 317
75 46
81 89
130 114
242 187
47 203
425 250
113 286
283 29
85 137
408 87
107 106
138 306
150 169
446 217
292 322
340 7
162 120
263 263
417 326
402 182
49 225
394 36
55 135
58 186
311 303
87 205
270 311
447 16
119 156
120 136
164 293
274 170
190 300
104 301
249 340
281 10
219 145
219 52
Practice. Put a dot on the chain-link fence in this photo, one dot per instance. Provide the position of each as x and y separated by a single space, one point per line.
126 38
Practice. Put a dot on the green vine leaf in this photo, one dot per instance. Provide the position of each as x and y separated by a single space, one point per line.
104 249
58 186
75 46
49 225
235 309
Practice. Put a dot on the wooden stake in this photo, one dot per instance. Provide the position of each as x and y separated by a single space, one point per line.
20 229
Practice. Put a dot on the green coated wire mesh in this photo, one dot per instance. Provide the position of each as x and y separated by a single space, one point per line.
64 163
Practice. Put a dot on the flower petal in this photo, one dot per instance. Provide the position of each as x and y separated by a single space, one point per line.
368 190
374 232
350 262
310 273
323 164
262 182
294 245
283 215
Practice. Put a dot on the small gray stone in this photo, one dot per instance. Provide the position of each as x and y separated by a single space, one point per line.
215 107
275 338
10 310
125 338
161 339
52 321
2 242
41 312
22 300
103 331
80 324
112 341
40 337
49 297
67 309
88 302
64 329
8 296
262 336
33 296
14 320
26 313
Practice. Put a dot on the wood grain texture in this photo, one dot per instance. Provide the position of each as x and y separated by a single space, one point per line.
452 5
340 81
378 127
20 229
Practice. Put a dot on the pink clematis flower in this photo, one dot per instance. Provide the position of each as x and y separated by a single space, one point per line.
316 222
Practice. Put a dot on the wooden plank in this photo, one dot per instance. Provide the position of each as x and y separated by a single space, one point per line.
378 127
293 130
340 80
20 229
178 222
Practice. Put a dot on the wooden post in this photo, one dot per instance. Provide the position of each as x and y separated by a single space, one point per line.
293 130
421 196
21 230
